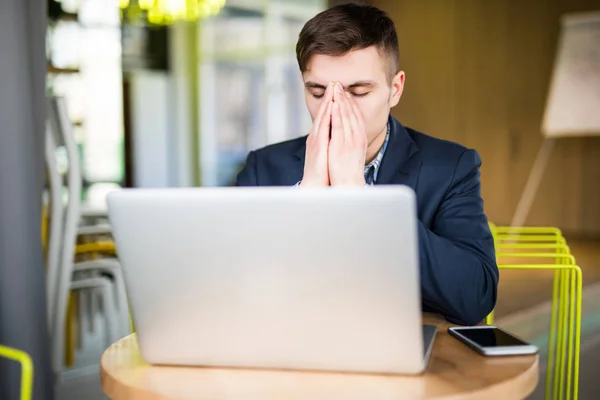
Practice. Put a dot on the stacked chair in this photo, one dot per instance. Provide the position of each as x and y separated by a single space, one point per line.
541 248
84 278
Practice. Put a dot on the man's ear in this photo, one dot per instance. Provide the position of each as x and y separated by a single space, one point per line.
397 88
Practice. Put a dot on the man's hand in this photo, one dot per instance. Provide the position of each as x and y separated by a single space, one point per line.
317 145
348 145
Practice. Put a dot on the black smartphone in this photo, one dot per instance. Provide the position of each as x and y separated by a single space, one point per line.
492 341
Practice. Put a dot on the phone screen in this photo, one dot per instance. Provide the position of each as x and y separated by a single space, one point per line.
490 337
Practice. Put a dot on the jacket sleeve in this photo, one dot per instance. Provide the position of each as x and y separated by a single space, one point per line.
459 275
248 176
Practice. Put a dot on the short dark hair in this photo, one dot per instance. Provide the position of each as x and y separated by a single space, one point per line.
346 27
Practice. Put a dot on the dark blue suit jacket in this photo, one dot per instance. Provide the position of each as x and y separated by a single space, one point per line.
459 275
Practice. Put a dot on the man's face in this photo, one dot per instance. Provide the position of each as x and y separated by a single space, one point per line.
364 74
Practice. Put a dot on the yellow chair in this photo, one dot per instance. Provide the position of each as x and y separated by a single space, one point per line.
526 238
531 244
508 238
527 244
526 230
565 320
517 244
26 368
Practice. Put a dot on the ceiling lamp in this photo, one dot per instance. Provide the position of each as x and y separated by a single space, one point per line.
164 12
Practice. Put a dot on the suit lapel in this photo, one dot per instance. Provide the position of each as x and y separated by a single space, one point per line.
297 171
300 152
401 163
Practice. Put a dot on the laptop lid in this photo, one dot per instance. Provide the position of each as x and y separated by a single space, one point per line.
317 279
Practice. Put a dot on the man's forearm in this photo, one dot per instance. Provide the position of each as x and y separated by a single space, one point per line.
458 278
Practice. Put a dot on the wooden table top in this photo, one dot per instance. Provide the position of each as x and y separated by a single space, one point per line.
454 372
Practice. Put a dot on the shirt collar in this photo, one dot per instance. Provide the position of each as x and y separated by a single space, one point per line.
379 157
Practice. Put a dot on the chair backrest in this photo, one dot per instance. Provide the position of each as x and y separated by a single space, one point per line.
26 368
56 222
64 218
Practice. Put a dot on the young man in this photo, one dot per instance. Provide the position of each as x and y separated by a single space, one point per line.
348 56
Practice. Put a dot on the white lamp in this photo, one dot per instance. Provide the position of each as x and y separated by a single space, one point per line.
573 105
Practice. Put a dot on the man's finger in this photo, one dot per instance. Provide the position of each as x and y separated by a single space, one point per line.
327 97
337 129
342 100
356 119
325 125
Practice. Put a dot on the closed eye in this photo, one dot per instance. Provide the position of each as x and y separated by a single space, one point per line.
319 96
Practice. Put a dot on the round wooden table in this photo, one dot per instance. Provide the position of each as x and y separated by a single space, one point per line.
454 372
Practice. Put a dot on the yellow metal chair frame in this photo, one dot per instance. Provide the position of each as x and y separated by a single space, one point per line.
527 230
565 321
559 246
26 368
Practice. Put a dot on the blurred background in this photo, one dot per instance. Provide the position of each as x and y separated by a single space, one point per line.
158 101
166 94
175 103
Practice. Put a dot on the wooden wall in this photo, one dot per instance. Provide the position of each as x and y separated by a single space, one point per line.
478 73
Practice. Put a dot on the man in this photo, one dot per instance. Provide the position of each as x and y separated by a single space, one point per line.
348 56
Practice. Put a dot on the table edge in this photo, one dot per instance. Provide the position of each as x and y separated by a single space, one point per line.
500 390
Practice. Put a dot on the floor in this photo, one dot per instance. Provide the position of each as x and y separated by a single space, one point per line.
86 385
531 324
588 380
82 381
522 308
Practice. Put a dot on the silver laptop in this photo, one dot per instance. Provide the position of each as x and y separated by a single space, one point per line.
286 278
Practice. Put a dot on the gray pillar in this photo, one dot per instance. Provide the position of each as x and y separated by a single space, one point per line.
22 114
